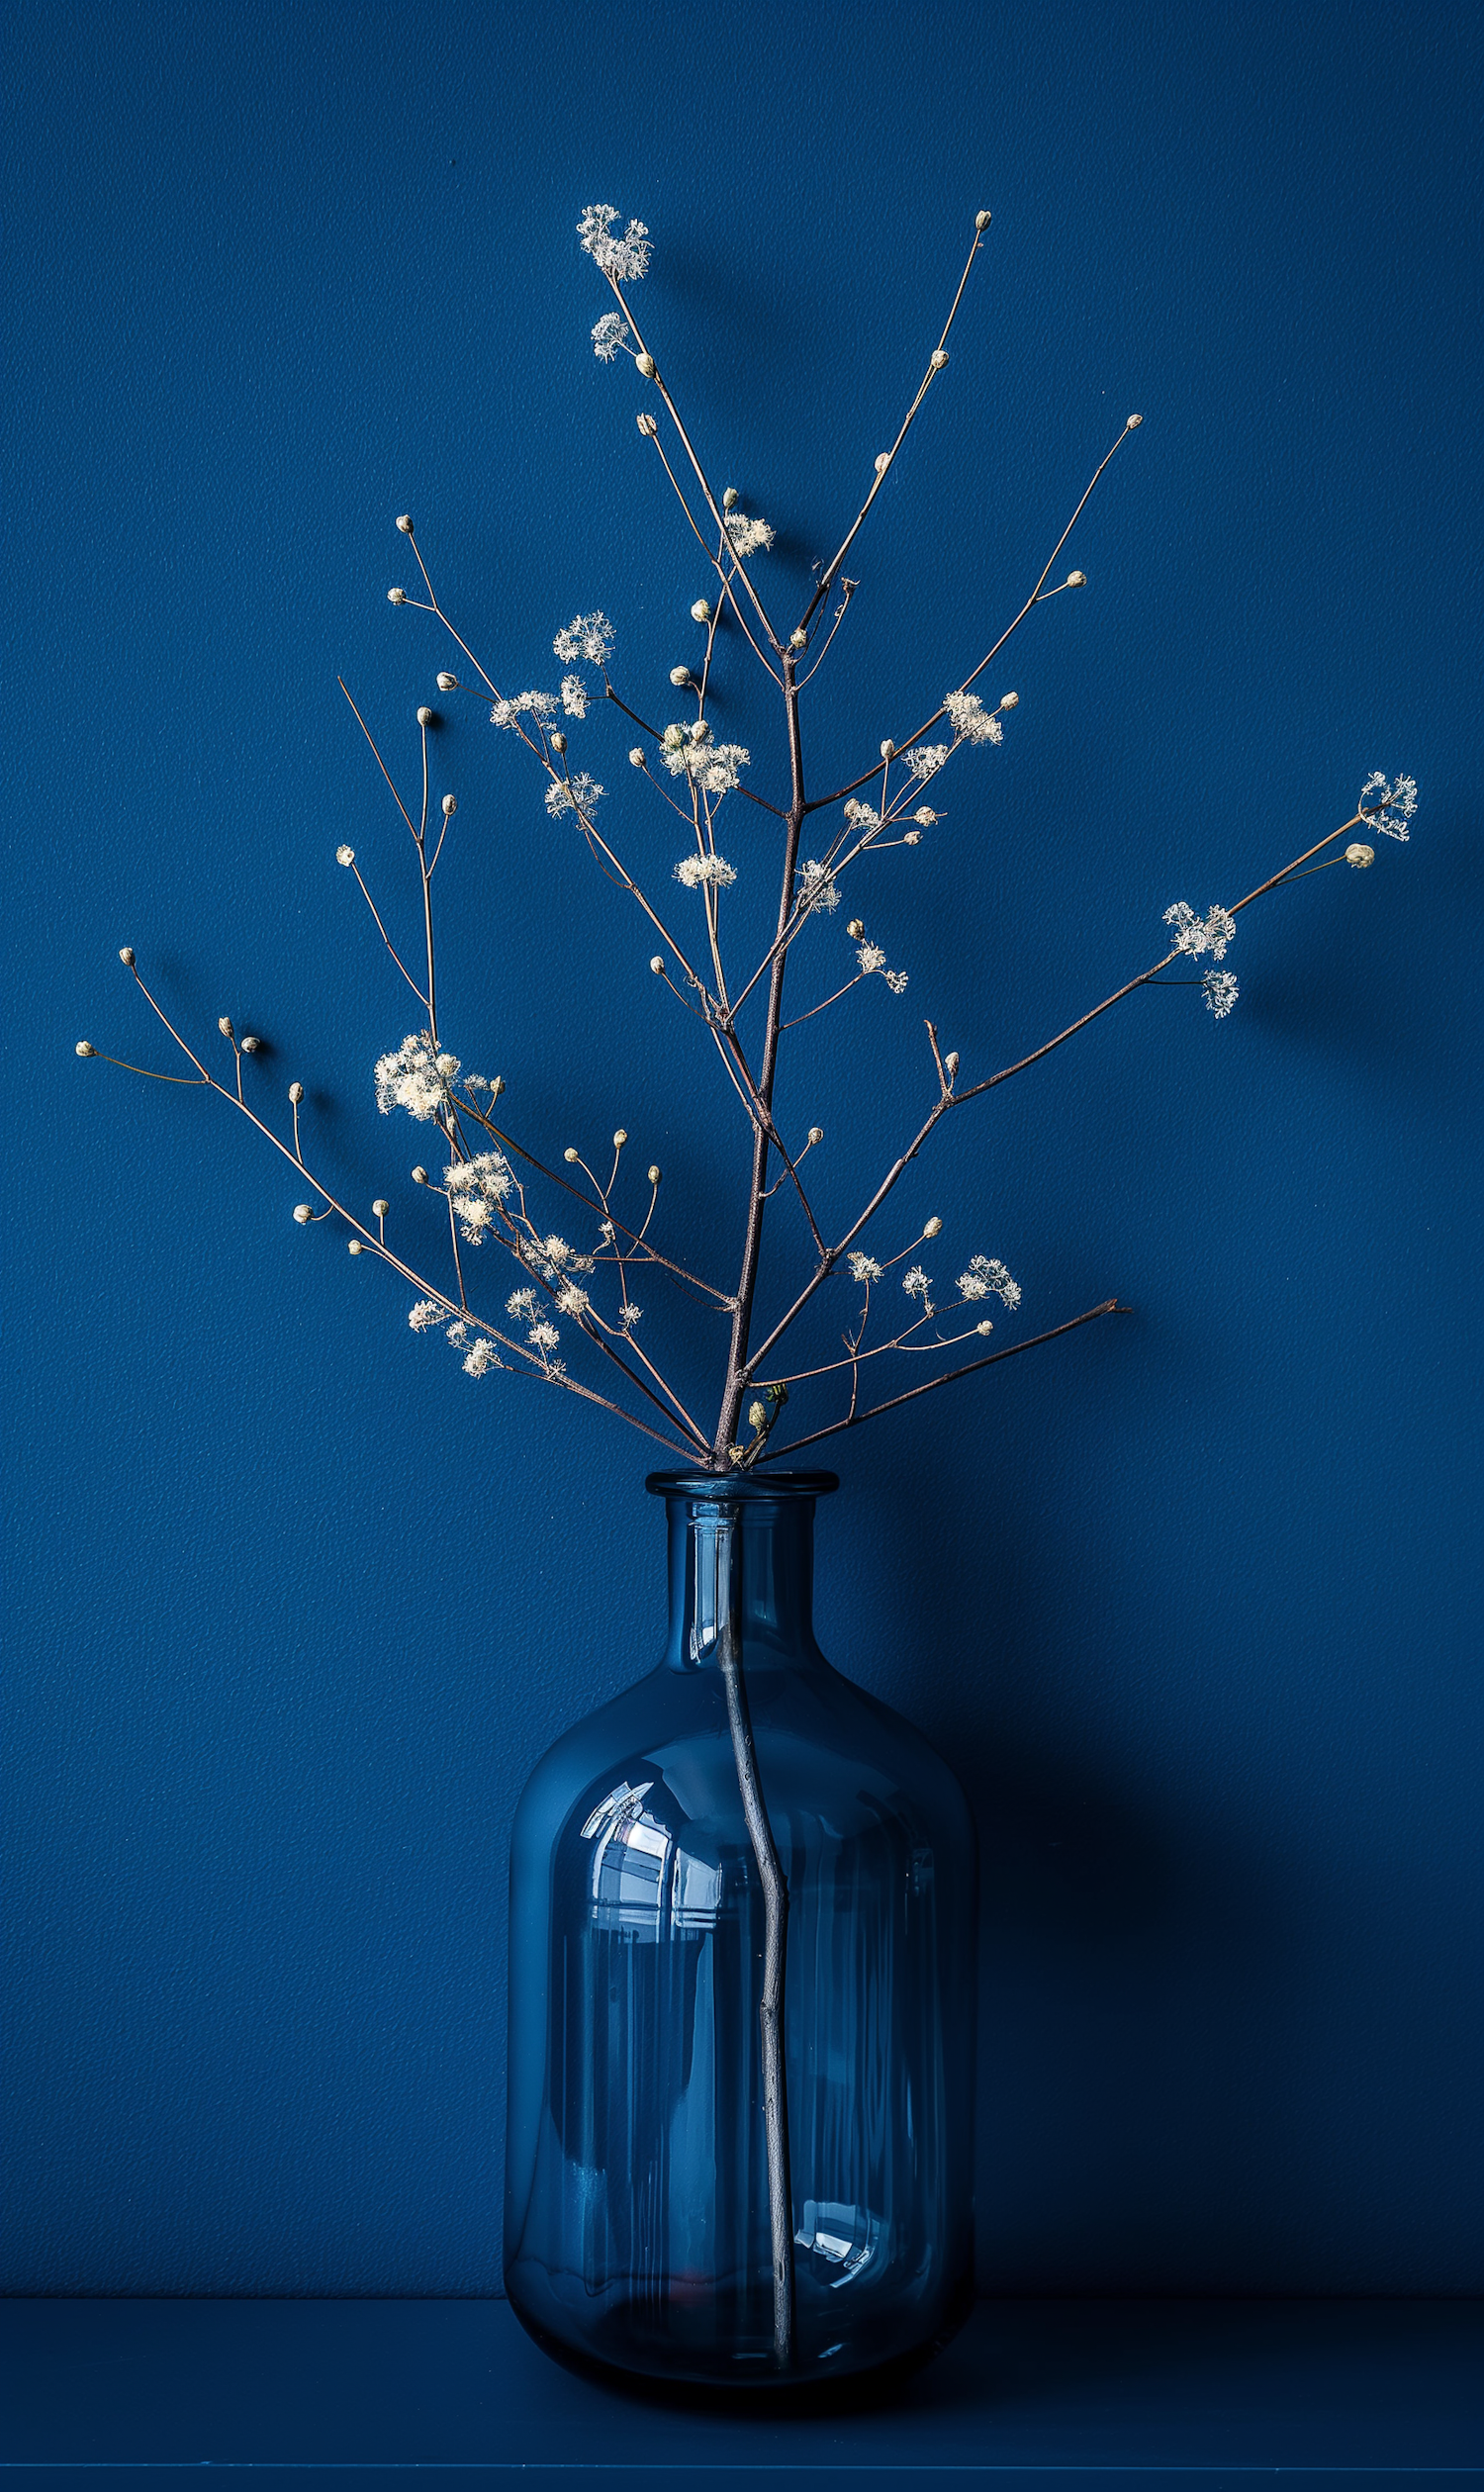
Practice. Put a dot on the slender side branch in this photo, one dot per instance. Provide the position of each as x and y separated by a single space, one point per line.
857 1419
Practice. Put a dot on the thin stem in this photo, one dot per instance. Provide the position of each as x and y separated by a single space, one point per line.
827 577
858 1419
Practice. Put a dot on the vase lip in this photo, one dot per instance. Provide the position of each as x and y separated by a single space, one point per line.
748 1487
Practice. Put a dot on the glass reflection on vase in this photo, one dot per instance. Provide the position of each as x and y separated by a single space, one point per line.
638 2214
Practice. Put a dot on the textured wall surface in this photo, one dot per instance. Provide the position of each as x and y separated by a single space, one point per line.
1189 1597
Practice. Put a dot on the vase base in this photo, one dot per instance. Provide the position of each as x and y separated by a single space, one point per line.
869 2382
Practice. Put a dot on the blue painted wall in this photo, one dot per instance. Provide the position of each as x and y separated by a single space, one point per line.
1189 1597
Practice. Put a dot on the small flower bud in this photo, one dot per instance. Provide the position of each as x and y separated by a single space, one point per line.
450 804
1077 580
85 1047
420 1177
250 1044
225 1025
427 718
673 738
646 365
296 1092
658 963
354 1246
680 676
932 1228
619 1139
887 748
856 929
303 1214
938 358
757 1413
883 461
496 1086
570 1156
406 525
982 221
381 1207
1133 424
1357 854
1011 701
636 755
816 1133
985 1327
700 612
730 499
344 856
951 1063
647 426
126 955
654 1174
558 741
448 683
798 639
396 597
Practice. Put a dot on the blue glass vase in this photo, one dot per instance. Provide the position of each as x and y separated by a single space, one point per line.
693 2195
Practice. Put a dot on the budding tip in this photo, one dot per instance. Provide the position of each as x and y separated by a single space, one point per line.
353 1246
405 524
450 805
126 955
296 1092
427 718
86 1048
1133 424
654 1175
570 1156
982 220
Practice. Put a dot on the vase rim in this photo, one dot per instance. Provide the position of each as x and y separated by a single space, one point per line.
748 1486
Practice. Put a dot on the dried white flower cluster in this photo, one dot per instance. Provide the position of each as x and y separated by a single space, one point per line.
622 256
711 869
588 636
748 536
970 721
478 1188
417 1077
1195 935
1388 805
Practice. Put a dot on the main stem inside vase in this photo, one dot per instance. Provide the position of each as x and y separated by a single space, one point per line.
711 1589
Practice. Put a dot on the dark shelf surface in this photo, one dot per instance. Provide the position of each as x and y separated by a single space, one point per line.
1051 2393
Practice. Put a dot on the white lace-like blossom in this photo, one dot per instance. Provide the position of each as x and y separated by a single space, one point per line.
475 1188
569 795
544 1335
417 1077
575 696
864 819
689 752
748 536
629 1314
622 256
427 1311
916 1284
872 960
1386 807
1195 935
609 335
537 705
864 1267
588 636
924 759
522 1302
694 870
970 721
986 1273
1221 991
817 886
571 1300
481 1359
457 1333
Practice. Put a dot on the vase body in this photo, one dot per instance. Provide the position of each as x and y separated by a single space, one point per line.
637 2226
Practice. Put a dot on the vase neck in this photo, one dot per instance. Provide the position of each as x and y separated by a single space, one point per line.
743 1551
